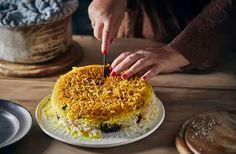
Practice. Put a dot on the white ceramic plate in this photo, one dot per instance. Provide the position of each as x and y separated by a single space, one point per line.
109 140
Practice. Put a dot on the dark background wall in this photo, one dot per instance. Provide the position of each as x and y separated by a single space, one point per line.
80 20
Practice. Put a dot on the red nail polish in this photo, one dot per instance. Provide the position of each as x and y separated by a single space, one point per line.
124 76
111 41
113 73
144 78
104 52
110 68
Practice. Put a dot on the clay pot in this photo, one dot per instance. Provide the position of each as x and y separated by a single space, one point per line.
35 44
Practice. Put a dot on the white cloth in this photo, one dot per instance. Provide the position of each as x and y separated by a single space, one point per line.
31 12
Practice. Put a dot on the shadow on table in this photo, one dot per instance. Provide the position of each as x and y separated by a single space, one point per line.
30 143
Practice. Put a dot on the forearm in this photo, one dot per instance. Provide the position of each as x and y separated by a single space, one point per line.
210 33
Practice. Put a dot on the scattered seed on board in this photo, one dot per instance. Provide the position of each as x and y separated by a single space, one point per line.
201 128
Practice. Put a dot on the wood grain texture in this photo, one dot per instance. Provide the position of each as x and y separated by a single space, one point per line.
34 44
212 132
224 77
180 104
55 66
180 144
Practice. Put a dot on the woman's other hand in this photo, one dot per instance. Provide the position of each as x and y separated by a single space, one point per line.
148 62
106 17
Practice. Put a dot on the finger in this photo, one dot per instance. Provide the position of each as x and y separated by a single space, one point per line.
127 62
139 66
106 37
151 73
97 31
119 59
143 71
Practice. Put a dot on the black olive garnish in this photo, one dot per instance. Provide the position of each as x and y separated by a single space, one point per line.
139 118
108 128
64 107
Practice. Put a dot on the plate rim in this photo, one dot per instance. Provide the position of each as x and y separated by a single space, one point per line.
16 139
99 145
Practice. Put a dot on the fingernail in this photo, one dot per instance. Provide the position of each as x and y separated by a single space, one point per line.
113 73
124 76
110 68
144 78
104 52
111 41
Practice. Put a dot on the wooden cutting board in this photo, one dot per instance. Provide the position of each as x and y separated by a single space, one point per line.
71 57
211 132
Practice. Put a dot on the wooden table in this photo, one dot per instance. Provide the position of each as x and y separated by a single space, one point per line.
183 96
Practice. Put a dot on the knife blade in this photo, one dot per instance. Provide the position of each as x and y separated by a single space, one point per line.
105 67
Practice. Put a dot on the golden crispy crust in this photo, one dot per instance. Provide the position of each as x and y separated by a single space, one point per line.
79 95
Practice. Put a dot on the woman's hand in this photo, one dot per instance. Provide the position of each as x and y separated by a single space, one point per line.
149 62
106 17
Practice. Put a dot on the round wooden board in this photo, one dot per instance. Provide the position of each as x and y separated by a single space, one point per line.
57 65
211 132
180 142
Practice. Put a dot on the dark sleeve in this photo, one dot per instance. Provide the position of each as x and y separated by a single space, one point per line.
208 35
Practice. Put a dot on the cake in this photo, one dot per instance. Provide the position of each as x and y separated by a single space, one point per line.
89 107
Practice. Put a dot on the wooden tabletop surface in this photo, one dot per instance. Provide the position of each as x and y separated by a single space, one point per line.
183 96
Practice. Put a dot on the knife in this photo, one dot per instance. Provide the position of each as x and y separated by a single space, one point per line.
105 66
